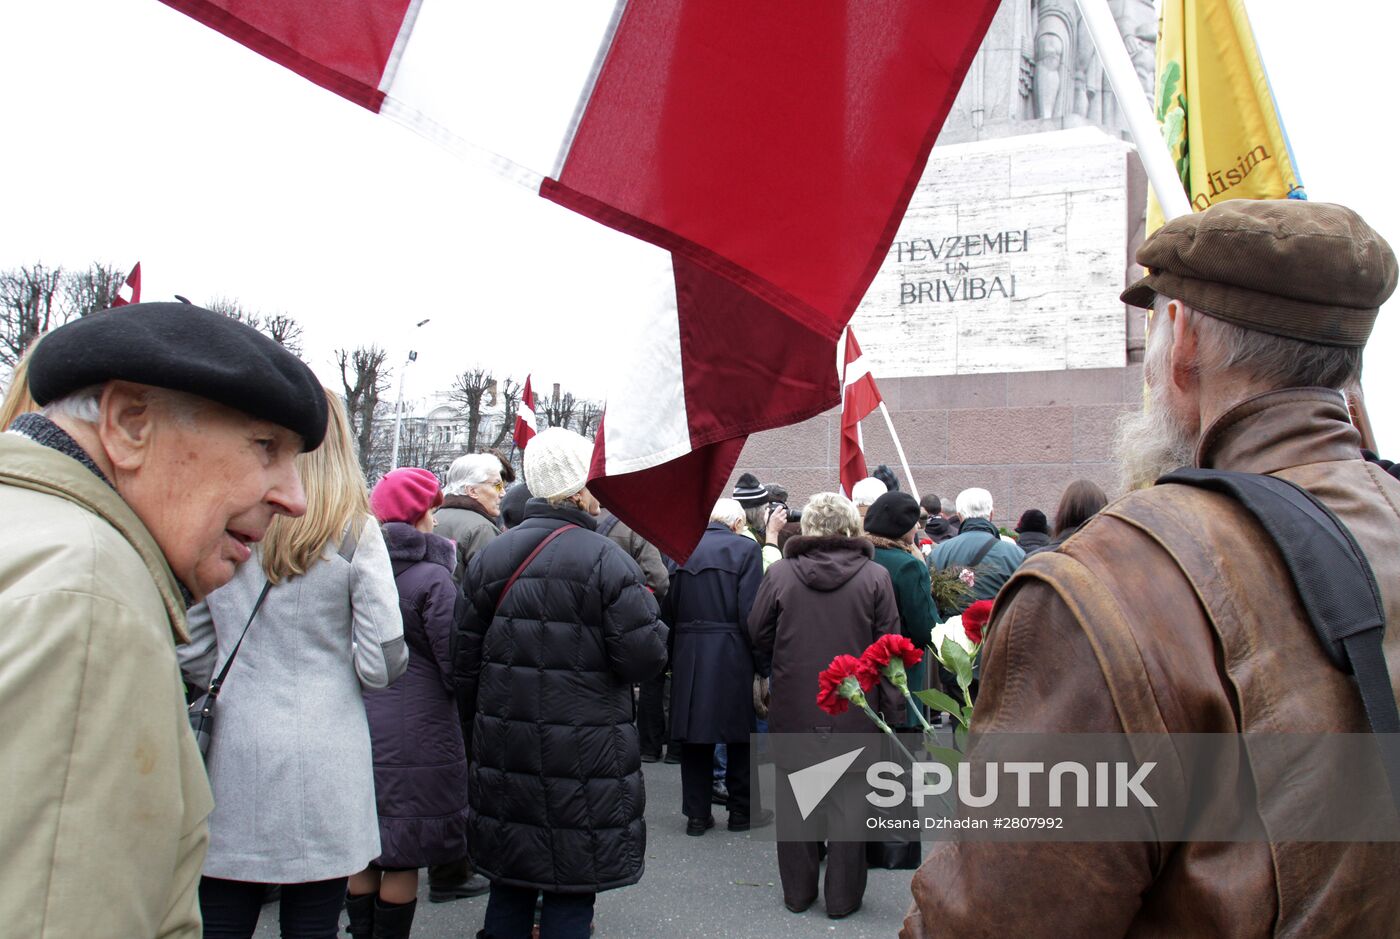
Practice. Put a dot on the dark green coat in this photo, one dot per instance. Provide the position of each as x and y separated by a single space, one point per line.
918 614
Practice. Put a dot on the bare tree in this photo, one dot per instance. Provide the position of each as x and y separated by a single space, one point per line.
364 377
284 330
30 303
509 398
558 411
589 414
92 290
235 310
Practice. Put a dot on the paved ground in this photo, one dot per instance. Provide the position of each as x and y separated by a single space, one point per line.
722 885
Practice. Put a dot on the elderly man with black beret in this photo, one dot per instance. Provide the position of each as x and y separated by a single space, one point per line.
163 450
1172 610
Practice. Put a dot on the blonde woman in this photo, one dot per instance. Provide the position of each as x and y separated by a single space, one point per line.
289 759
17 399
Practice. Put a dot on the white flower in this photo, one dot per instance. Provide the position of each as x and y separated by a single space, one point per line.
950 627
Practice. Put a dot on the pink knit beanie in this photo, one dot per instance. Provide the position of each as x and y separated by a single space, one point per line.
403 495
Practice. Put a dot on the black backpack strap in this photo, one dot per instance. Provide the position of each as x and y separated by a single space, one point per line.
218 681
1335 583
983 551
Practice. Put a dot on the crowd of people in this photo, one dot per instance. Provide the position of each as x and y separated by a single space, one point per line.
466 676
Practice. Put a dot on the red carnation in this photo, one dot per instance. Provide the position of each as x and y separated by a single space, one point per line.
844 678
882 650
974 619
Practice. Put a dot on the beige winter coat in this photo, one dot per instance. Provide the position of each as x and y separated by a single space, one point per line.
103 796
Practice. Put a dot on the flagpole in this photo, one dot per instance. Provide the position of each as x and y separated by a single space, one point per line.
908 476
1133 103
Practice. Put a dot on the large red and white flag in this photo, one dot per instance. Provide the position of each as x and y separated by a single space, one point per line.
859 397
759 155
130 290
525 416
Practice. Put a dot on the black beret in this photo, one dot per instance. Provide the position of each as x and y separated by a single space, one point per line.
184 348
892 515
1304 270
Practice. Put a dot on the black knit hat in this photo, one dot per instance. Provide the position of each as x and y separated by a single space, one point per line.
892 515
1033 520
184 348
749 492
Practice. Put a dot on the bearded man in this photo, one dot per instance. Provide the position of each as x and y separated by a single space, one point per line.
1172 610
163 450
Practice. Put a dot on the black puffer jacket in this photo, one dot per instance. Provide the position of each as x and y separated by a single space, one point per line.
555 783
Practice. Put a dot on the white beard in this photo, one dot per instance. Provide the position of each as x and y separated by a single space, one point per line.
1155 440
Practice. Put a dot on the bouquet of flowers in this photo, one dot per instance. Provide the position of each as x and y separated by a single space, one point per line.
956 645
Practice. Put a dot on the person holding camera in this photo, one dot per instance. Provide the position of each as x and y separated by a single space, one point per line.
765 517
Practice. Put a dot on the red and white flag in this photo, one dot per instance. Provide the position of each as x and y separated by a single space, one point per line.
753 162
525 416
130 290
859 397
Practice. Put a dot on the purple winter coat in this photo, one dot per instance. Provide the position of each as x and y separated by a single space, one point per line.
420 762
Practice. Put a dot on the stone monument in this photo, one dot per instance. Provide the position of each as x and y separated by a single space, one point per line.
993 327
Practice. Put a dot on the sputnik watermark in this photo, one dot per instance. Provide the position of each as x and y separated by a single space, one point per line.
1115 785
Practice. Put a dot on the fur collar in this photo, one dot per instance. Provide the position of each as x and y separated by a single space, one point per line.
880 541
408 545
814 544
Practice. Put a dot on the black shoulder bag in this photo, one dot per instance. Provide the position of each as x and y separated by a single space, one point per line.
202 710
1335 584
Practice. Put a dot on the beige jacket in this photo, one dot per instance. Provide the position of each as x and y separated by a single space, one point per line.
103 796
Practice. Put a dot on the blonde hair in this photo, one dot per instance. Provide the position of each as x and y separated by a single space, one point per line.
830 513
336 495
17 398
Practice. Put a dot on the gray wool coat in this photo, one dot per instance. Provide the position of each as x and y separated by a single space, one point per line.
289 760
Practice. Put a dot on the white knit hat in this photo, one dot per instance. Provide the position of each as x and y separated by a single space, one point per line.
556 463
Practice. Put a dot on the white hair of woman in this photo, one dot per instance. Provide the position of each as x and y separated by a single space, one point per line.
830 513
474 469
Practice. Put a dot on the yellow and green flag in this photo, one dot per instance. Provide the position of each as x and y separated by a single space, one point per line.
1217 112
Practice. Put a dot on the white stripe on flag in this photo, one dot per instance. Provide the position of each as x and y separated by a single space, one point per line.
527 414
646 421
471 68
855 372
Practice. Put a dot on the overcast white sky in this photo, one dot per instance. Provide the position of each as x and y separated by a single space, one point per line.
130 132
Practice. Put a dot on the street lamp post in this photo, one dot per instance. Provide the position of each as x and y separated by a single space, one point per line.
398 404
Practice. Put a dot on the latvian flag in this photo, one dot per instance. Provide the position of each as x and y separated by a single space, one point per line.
859 397
130 290
759 155
525 416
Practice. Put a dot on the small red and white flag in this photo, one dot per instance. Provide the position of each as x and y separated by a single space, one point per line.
748 165
130 290
859 397
525 416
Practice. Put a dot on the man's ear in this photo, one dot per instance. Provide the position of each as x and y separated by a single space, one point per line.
1185 349
125 424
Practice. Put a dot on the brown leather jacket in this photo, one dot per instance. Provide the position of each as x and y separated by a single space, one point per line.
1108 634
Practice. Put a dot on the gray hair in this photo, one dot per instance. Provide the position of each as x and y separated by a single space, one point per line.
975 503
830 513
85 404
474 469
727 512
867 490
1269 361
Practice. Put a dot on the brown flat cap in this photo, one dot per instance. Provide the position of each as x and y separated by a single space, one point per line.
1305 270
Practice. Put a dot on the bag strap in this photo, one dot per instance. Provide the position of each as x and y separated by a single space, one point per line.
351 541
530 557
218 681
1335 583
983 551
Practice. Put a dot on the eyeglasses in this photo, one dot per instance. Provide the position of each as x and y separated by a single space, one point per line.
499 486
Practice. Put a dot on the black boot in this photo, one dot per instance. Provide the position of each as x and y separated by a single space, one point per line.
361 912
393 920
